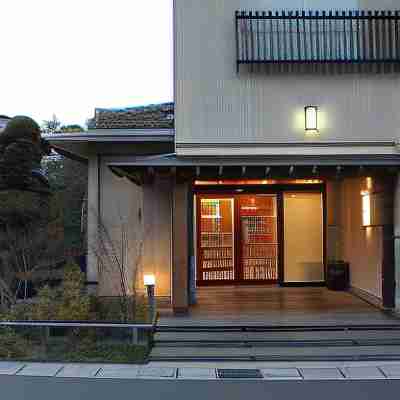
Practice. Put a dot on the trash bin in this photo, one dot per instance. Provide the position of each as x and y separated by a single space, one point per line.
338 275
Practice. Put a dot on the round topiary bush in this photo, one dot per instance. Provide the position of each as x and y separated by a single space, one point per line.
21 127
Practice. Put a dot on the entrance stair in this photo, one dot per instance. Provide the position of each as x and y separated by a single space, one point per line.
277 343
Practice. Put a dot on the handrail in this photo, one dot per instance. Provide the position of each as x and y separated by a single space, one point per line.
327 37
76 324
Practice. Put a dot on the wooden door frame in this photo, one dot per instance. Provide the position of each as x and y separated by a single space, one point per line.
213 191
238 236
199 196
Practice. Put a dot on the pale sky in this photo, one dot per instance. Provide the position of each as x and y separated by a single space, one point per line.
69 56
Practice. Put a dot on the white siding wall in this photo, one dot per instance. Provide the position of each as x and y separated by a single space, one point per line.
216 105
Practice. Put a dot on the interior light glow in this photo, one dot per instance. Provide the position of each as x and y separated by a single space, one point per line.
366 208
369 183
149 280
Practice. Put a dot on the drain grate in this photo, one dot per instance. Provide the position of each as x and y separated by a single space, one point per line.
239 374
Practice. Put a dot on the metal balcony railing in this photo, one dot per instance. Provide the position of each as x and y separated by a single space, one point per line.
351 37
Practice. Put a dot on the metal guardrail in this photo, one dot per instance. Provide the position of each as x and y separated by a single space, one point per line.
352 37
136 328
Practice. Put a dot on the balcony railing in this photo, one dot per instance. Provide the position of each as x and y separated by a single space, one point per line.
297 37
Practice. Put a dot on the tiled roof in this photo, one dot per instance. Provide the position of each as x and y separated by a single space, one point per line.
144 117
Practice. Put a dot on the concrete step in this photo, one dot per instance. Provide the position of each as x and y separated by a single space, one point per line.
276 353
196 336
292 343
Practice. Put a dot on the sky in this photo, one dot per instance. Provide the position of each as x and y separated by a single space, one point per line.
67 57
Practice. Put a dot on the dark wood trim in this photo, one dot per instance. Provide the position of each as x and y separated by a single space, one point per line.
199 258
278 190
241 282
388 267
303 284
281 235
325 230
237 240
215 190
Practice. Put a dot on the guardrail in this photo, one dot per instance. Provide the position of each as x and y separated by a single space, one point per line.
137 329
327 37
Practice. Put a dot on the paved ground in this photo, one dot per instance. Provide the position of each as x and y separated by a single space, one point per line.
44 388
209 371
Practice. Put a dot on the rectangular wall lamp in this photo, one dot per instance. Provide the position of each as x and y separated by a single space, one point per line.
311 119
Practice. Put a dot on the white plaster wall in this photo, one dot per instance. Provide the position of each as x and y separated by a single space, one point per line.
216 105
157 206
362 246
380 4
121 207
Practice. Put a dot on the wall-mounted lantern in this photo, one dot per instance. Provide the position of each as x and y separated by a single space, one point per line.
149 280
311 119
366 208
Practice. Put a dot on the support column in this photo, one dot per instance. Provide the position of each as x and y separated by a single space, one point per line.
180 248
396 223
93 213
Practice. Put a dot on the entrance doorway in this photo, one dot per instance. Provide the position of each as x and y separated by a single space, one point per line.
260 238
303 238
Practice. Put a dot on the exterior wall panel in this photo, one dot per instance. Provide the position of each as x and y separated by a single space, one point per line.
121 203
157 205
362 246
216 105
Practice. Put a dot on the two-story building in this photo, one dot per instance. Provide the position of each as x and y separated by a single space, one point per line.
280 155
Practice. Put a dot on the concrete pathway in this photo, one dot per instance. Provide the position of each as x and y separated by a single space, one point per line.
209 371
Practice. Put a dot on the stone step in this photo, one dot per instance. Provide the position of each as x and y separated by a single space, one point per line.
275 353
274 336
293 343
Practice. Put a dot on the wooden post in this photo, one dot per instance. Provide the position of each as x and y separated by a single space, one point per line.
180 250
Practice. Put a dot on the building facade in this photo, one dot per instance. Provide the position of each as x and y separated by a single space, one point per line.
279 156
3 121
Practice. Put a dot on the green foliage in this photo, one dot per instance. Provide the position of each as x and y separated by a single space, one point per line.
19 312
74 304
21 127
68 180
88 351
46 306
69 302
12 346
73 128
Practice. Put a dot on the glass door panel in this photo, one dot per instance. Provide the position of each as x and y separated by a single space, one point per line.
304 246
216 240
259 242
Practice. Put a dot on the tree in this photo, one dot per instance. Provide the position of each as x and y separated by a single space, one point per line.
51 126
73 128
68 179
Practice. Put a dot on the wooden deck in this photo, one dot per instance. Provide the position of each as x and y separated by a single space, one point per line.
273 305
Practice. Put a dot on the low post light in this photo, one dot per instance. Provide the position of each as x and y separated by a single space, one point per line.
311 119
150 282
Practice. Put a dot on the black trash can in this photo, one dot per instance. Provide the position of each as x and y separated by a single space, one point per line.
338 276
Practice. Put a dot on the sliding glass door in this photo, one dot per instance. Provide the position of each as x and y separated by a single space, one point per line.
258 260
303 237
216 240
